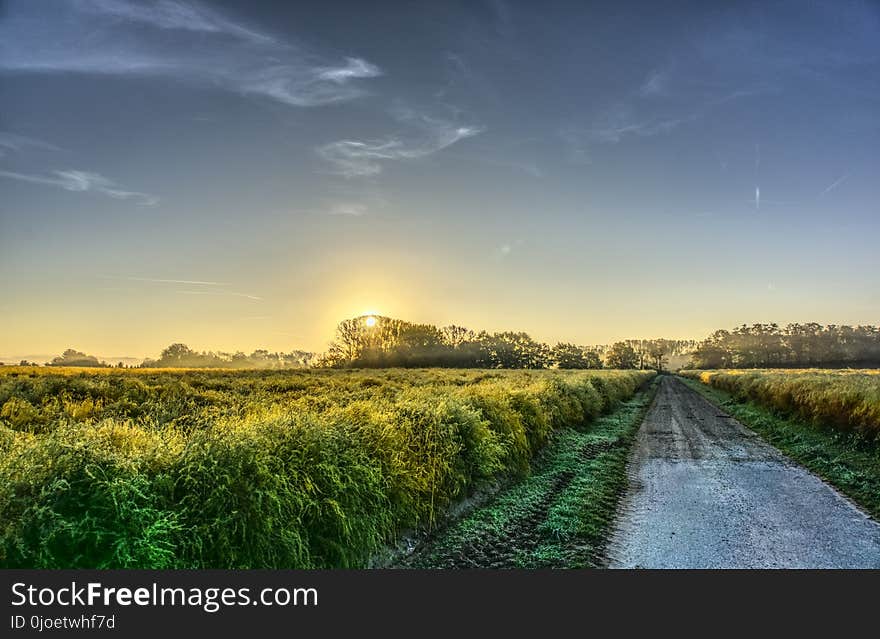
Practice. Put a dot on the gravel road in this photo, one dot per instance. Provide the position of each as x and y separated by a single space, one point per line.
706 492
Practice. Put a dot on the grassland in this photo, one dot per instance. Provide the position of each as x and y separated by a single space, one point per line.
826 420
260 469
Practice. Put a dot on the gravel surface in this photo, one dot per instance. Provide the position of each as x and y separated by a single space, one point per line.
706 492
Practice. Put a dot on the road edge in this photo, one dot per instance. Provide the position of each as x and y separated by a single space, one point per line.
853 474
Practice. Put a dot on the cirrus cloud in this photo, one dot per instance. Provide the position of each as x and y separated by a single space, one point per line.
125 38
81 182
353 158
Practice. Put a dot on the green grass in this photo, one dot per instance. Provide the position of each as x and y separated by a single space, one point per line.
849 461
558 517
845 399
263 469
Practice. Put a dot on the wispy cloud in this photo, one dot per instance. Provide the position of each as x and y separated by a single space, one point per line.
81 182
620 123
222 294
352 209
127 38
353 68
166 281
834 184
654 84
632 118
211 288
353 158
168 14
742 93
14 142
305 87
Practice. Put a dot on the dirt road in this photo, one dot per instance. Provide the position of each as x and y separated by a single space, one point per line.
705 492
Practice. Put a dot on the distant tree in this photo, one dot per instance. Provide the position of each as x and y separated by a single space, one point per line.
176 352
713 352
511 349
296 359
658 351
71 357
621 355
180 355
797 345
455 336
640 347
385 341
350 339
565 355
592 359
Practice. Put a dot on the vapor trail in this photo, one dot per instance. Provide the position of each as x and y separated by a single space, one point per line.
834 184
163 281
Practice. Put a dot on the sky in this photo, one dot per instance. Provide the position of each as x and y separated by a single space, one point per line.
240 175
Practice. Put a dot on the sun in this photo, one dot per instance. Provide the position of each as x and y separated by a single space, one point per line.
370 321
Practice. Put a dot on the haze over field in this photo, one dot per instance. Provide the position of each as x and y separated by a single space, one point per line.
245 175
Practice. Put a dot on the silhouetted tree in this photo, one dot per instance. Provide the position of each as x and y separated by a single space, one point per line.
621 355
571 356
797 345
72 357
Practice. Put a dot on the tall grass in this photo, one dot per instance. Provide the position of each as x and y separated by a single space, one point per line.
846 400
260 469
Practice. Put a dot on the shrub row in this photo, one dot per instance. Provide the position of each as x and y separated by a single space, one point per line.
321 472
847 400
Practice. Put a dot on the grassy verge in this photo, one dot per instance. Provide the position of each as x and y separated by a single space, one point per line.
558 517
846 460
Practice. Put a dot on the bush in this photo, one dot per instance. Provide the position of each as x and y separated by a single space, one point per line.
219 469
846 400
86 498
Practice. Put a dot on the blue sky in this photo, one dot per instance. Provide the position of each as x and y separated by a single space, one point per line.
243 175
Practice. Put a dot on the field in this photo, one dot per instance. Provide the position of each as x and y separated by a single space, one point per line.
846 400
259 469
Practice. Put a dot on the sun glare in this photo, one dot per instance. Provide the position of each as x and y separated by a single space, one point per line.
370 321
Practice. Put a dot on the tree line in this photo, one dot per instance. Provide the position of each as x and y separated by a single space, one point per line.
182 356
72 357
794 346
379 342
